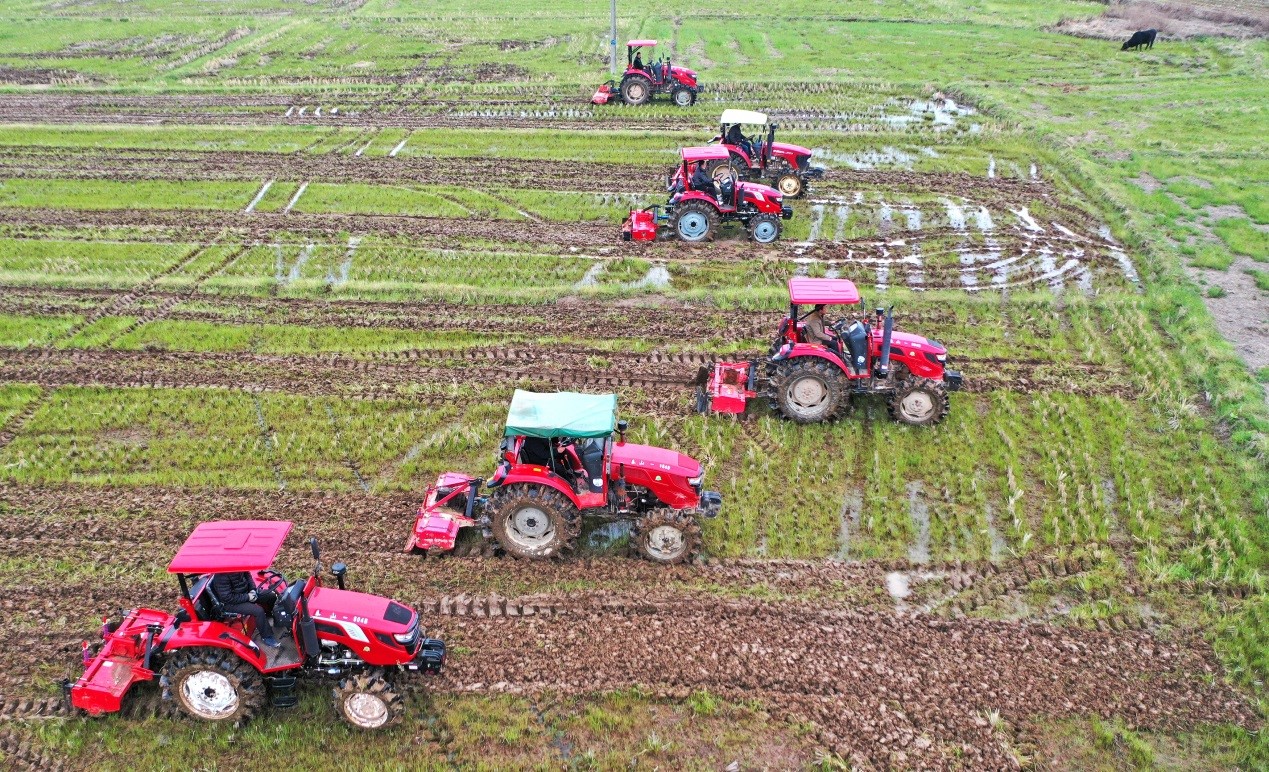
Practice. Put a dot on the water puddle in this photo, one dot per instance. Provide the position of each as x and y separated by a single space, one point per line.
817 222
991 167
919 511
657 277
336 279
852 506
938 112
605 536
983 219
843 215
998 545
955 214
1125 265
886 217
867 159
303 258
1027 220
1035 173
591 277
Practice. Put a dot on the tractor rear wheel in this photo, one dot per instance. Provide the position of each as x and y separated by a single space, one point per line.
919 402
790 184
764 228
695 221
808 390
683 96
636 90
368 701
533 521
213 685
667 537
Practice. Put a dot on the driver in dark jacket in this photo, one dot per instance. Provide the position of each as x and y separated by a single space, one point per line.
238 595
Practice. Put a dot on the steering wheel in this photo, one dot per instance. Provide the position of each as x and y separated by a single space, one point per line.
272 579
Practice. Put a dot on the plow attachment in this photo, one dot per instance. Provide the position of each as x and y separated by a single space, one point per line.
448 507
603 94
641 224
726 387
123 660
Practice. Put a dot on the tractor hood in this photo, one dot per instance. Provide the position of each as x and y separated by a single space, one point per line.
906 340
762 190
785 149
683 71
372 612
655 459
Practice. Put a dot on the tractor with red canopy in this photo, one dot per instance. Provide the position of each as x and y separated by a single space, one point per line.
786 167
214 664
699 203
641 81
560 460
808 380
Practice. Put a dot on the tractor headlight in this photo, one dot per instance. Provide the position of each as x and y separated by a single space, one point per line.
941 357
696 481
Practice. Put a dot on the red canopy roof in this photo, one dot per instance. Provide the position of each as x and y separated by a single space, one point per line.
638 43
704 153
230 545
803 289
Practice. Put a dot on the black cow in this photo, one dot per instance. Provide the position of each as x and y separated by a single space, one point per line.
1140 38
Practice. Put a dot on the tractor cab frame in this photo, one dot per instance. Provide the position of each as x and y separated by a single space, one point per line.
786 167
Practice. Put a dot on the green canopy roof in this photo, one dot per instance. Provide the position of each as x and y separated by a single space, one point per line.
563 414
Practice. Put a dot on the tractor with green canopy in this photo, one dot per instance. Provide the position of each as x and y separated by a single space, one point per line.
564 456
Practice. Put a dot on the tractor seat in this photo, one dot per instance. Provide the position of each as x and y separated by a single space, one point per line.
209 607
727 191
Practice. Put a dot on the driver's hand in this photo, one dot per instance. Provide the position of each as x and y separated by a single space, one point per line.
253 596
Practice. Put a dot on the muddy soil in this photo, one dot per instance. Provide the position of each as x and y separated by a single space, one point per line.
1173 21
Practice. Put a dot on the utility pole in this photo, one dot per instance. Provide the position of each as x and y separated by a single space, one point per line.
612 41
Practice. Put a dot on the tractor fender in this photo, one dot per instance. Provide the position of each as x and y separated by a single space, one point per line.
795 350
531 474
695 195
215 635
741 154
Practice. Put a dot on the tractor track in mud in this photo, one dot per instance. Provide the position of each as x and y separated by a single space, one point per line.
664 378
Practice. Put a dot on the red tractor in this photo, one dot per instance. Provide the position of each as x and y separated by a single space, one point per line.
640 82
558 462
215 665
787 167
808 382
699 203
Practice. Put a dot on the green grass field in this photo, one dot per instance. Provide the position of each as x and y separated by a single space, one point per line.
263 247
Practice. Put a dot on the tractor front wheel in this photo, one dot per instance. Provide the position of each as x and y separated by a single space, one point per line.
808 390
636 90
667 537
919 402
533 521
213 685
695 221
368 701
683 96
789 184
764 228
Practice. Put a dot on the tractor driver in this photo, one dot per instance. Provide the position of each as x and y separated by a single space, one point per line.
703 181
816 332
638 60
238 595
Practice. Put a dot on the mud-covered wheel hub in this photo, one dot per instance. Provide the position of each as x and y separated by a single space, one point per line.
368 711
683 97
764 229
666 542
807 394
917 406
209 695
531 528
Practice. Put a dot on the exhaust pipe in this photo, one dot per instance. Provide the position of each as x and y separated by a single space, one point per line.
883 369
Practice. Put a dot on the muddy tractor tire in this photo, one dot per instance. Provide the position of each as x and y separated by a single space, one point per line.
789 184
683 96
695 221
919 402
667 537
636 90
764 228
213 685
534 522
809 390
368 701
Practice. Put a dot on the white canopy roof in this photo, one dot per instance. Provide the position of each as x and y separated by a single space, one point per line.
743 116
